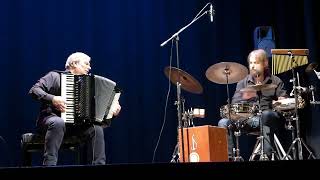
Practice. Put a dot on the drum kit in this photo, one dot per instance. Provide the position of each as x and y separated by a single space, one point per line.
221 73
227 73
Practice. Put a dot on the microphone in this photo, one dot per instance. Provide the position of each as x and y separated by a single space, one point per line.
211 11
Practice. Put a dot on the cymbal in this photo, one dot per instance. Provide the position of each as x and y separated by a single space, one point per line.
258 87
311 67
217 72
187 82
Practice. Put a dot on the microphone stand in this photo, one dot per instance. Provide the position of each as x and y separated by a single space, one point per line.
175 37
185 27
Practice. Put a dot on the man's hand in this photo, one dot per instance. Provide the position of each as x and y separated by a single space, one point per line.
59 103
281 97
248 95
117 110
281 101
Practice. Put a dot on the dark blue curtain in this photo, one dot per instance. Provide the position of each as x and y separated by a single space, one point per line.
123 38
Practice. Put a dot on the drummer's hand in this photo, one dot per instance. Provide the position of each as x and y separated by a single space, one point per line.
277 103
249 95
281 97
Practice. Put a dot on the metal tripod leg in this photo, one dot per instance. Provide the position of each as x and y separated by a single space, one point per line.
258 150
300 142
236 152
175 155
261 138
280 151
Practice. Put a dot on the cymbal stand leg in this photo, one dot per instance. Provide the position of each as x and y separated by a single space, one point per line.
175 155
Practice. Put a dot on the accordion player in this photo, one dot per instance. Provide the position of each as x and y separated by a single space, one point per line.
90 99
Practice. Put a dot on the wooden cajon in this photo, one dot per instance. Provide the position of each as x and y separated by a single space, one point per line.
203 144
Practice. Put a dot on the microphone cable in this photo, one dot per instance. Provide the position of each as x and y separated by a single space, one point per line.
166 104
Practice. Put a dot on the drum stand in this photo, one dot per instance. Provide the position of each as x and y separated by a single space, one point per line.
280 151
259 147
298 140
236 151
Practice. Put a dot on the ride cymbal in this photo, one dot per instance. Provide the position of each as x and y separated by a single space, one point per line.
226 72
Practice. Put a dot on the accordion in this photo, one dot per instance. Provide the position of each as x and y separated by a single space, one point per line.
90 99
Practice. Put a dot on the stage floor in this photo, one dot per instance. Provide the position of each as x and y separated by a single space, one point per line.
251 169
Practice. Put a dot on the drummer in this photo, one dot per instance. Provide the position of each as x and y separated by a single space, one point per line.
258 83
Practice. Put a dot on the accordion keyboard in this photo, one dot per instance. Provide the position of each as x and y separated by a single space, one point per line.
67 93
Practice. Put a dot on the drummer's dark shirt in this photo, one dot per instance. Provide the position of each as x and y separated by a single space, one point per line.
266 95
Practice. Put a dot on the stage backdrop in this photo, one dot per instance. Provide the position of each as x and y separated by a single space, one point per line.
123 38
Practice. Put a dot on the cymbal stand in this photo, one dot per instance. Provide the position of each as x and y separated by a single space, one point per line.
236 151
176 155
260 142
298 140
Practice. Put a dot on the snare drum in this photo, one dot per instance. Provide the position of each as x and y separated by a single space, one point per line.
239 111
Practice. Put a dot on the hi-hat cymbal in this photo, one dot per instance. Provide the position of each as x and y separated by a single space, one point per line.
258 87
311 67
217 73
187 82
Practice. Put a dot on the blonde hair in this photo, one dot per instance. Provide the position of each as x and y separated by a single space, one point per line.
75 58
260 54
